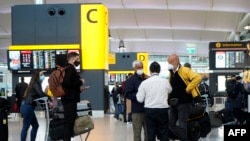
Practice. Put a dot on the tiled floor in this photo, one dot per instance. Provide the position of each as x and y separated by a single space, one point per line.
106 129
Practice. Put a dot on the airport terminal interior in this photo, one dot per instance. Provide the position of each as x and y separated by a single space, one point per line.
212 35
106 127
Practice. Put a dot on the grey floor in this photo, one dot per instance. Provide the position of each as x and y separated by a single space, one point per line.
106 128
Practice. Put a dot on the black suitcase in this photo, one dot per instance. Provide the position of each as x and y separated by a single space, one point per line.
56 128
4 111
194 131
4 126
226 116
205 124
215 119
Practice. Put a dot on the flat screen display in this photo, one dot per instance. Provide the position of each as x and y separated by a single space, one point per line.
38 59
49 58
230 59
27 60
14 60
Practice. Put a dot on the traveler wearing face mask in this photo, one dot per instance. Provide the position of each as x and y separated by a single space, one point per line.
185 90
71 83
137 109
33 91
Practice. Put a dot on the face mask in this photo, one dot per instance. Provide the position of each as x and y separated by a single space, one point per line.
241 74
42 78
77 63
170 67
139 72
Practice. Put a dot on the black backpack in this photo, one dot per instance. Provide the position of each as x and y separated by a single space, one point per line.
232 89
204 89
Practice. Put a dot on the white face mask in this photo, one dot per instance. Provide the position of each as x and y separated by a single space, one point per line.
139 72
241 74
170 67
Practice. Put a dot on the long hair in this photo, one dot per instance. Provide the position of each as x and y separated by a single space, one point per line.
34 78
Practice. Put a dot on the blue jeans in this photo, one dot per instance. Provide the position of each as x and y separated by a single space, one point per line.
29 118
116 110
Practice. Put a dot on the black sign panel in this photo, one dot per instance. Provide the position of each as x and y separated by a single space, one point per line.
229 55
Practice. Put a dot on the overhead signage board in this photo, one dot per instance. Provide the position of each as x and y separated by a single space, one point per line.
229 55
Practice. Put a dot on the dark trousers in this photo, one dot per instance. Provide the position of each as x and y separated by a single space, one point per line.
157 123
179 113
70 109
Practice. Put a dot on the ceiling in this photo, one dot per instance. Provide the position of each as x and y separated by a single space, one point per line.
159 27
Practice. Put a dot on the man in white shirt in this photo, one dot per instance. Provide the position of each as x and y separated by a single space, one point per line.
154 92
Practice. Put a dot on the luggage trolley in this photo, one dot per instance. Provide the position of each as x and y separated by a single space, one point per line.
43 103
57 112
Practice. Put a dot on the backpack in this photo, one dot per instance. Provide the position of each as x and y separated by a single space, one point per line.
232 89
55 81
203 87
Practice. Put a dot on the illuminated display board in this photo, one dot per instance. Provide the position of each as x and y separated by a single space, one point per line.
229 55
20 61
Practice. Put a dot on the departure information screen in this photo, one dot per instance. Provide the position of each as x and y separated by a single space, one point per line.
27 60
229 55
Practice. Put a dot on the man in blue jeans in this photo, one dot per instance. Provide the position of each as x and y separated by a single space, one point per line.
115 92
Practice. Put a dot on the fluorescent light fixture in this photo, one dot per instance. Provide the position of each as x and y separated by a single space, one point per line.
190 44
247 27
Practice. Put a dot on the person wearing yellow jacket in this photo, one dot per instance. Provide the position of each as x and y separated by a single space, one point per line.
185 91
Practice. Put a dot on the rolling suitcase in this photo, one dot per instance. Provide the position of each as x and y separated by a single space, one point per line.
83 108
83 124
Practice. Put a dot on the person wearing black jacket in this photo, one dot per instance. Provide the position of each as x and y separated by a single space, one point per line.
115 92
20 89
33 91
137 110
71 83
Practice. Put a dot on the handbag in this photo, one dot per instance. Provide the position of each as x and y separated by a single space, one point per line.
83 124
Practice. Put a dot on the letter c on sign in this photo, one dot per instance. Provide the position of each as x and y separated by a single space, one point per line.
88 16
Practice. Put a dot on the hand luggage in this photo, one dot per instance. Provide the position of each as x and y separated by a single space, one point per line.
194 126
226 116
215 118
194 130
83 108
205 124
56 128
83 124
4 111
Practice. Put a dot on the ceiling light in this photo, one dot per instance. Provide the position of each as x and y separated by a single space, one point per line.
121 47
110 37
247 27
190 44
